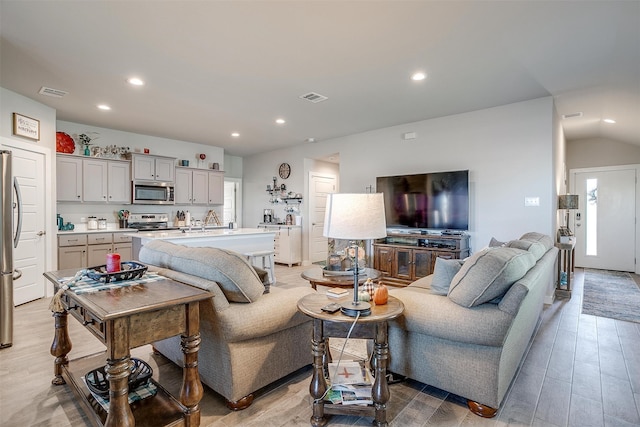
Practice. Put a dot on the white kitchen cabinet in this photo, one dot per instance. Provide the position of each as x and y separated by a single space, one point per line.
72 251
199 187
216 188
183 186
90 179
119 182
106 181
287 244
68 178
152 168
94 183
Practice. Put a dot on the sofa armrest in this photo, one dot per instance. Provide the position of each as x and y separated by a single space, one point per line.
438 316
275 311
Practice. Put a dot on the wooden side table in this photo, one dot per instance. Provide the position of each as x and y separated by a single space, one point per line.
566 260
122 319
316 277
327 325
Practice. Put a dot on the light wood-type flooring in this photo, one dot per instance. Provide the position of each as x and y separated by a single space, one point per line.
580 370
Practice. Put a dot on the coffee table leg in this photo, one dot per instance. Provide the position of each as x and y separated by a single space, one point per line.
60 347
380 391
318 386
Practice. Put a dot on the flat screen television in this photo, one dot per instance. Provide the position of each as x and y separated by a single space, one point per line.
433 201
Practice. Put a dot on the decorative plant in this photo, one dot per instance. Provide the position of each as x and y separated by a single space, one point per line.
85 140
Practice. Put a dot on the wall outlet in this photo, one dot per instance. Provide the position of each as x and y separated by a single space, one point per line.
532 201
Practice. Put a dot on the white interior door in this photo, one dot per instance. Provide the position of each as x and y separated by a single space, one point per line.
231 197
605 223
319 187
29 256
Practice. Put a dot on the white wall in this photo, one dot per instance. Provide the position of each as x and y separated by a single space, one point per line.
599 152
508 150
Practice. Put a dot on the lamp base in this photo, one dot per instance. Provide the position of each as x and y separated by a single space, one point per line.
352 309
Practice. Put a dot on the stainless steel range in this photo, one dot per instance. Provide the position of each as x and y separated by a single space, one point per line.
150 222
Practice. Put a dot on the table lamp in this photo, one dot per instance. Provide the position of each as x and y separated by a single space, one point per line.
355 217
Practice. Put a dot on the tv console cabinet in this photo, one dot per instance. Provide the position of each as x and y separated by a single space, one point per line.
404 258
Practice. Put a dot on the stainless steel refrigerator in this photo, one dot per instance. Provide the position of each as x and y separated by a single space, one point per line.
9 237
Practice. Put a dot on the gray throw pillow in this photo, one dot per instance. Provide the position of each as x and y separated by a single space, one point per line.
494 243
237 278
443 272
539 237
536 248
488 274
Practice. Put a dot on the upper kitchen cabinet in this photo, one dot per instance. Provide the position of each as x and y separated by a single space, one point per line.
152 168
199 187
91 179
69 178
216 188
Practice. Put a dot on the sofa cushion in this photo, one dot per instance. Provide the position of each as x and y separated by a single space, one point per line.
537 249
494 243
237 278
488 274
443 273
539 237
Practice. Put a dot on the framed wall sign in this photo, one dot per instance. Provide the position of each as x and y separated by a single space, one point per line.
26 127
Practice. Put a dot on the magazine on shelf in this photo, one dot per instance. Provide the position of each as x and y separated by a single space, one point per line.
350 383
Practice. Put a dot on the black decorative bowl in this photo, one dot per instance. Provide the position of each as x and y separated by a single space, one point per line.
130 270
140 374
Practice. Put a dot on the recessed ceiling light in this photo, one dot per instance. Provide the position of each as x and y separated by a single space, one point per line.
135 81
310 140
418 76
611 121
104 107
281 121
235 134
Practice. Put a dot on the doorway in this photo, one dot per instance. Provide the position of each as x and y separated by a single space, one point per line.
232 201
30 254
320 185
605 222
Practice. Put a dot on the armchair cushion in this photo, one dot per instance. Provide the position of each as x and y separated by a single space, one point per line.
443 273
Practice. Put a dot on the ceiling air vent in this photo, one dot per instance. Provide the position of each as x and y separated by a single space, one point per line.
572 115
56 93
313 97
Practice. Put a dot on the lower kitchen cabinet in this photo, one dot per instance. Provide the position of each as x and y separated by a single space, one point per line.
287 244
90 250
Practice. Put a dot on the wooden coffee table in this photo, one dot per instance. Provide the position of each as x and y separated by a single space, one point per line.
122 319
337 325
316 277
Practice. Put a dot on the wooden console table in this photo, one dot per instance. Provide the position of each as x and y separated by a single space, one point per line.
566 261
327 325
122 319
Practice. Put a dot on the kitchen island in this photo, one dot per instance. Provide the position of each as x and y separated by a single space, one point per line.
240 240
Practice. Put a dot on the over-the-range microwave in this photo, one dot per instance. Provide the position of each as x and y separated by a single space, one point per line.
152 193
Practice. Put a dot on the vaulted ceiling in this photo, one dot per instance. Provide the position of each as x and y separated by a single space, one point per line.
212 68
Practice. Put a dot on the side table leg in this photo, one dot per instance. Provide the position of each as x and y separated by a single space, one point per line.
318 386
60 347
192 390
380 391
120 414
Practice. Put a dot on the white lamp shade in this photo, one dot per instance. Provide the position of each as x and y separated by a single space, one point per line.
355 216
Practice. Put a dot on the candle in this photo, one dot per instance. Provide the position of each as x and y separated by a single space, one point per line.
113 263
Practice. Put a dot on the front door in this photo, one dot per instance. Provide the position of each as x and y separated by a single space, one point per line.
604 224
319 187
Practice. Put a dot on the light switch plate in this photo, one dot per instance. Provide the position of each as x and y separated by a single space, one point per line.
532 201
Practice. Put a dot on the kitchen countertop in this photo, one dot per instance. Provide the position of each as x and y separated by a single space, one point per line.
273 224
82 229
198 233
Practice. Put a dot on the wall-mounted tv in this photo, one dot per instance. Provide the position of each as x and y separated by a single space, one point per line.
434 201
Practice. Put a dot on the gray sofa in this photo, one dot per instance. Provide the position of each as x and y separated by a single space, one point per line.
250 338
466 328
